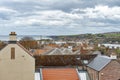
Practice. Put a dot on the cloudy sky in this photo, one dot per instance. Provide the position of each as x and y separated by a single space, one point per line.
59 17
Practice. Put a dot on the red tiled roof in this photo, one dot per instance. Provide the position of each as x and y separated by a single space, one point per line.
53 45
59 74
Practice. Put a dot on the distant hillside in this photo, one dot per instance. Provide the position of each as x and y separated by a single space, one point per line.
107 35
102 37
112 34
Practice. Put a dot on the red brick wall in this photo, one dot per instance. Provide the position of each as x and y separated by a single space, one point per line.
111 71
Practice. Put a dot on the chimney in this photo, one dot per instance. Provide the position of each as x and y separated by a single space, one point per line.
12 37
113 56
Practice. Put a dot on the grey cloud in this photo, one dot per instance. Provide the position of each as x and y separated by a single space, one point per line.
58 17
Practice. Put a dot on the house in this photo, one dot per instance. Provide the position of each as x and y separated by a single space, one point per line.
104 68
110 45
57 51
16 63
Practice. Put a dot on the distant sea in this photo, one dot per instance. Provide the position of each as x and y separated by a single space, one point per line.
19 37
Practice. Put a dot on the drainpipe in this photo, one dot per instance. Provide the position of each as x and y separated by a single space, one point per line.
98 75
88 74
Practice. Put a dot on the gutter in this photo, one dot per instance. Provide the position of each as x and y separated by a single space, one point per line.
41 76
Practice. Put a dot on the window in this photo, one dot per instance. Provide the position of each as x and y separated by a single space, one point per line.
12 53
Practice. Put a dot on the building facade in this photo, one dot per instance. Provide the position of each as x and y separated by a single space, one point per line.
16 63
104 69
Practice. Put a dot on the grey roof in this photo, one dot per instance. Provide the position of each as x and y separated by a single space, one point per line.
99 62
62 48
47 53
67 51
77 52
55 51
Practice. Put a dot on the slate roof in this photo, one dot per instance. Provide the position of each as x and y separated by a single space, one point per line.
77 52
47 53
99 62
58 51
67 51
55 51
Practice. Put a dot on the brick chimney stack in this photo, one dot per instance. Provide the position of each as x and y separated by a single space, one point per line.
12 37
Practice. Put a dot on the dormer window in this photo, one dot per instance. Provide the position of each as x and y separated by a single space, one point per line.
12 53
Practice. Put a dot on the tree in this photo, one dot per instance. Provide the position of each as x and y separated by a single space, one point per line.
2 44
27 38
118 52
29 43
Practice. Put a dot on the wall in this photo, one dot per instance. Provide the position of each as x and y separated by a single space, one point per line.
111 71
92 73
21 68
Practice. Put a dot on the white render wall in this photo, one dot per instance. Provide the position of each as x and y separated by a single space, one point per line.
21 68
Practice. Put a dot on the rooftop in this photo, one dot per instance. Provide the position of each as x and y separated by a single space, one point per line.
60 74
99 62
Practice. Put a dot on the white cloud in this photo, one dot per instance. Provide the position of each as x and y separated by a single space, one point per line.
48 18
5 9
100 11
69 16
47 0
58 14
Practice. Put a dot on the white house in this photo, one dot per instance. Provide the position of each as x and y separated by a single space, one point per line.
110 45
16 63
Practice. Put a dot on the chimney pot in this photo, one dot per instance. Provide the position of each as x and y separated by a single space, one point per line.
12 33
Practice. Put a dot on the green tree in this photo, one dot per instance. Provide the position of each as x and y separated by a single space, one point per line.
118 52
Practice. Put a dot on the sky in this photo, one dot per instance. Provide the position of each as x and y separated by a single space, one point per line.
59 17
